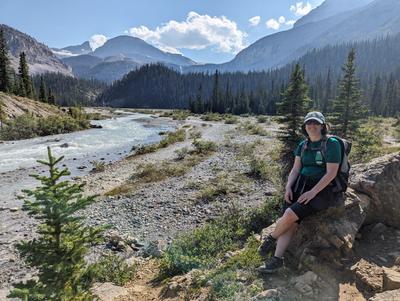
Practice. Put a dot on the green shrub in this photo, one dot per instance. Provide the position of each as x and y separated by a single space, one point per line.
267 170
197 249
222 184
368 144
22 127
193 185
204 246
397 128
173 137
176 114
262 119
204 147
224 285
230 119
170 138
152 172
223 280
195 134
28 126
145 149
255 129
181 153
113 268
98 166
212 117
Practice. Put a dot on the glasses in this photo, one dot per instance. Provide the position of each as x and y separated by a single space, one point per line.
313 122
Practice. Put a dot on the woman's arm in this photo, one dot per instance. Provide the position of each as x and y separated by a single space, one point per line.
294 173
331 172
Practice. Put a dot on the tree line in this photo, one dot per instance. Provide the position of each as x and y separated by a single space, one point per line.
156 86
52 88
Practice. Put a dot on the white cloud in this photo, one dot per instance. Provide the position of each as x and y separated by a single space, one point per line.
97 41
196 32
254 21
301 9
290 22
273 24
281 19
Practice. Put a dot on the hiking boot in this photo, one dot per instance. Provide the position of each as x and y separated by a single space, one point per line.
270 266
267 246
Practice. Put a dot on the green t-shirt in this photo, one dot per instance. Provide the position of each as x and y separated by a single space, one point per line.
313 162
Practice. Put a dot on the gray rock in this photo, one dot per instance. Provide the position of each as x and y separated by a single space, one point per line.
393 295
108 291
379 180
391 279
271 294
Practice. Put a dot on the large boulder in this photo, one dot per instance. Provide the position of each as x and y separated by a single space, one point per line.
393 295
379 180
333 230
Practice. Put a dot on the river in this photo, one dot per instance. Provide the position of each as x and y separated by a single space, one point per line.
110 143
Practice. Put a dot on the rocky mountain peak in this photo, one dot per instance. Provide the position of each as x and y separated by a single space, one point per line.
39 57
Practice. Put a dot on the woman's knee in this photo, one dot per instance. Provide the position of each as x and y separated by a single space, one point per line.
289 216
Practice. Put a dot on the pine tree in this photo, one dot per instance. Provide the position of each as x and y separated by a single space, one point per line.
5 84
376 100
228 99
199 104
293 108
392 98
328 93
26 87
347 108
50 97
1 115
216 96
42 91
63 239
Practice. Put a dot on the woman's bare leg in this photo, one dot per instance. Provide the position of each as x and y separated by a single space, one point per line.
284 223
283 241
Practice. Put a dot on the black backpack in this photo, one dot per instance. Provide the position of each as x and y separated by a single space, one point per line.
341 180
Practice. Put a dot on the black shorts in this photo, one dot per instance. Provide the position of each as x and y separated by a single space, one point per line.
325 199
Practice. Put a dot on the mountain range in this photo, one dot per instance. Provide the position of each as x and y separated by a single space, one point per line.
39 57
333 22
117 57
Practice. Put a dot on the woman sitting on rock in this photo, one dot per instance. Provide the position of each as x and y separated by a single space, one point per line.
308 189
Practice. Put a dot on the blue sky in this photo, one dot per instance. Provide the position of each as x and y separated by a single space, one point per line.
204 30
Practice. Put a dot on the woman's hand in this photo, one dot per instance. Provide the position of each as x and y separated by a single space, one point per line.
306 197
288 195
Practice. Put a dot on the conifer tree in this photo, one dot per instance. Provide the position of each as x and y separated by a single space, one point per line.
347 108
392 98
328 93
50 97
42 90
293 108
25 80
199 104
216 96
228 99
63 239
376 100
5 84
1 115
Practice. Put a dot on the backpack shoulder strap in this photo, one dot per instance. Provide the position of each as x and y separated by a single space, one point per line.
324 145
303 147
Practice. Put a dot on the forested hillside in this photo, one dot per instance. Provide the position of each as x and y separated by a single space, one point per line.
68 90
377 66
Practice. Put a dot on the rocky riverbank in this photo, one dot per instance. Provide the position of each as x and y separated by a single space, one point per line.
155 212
